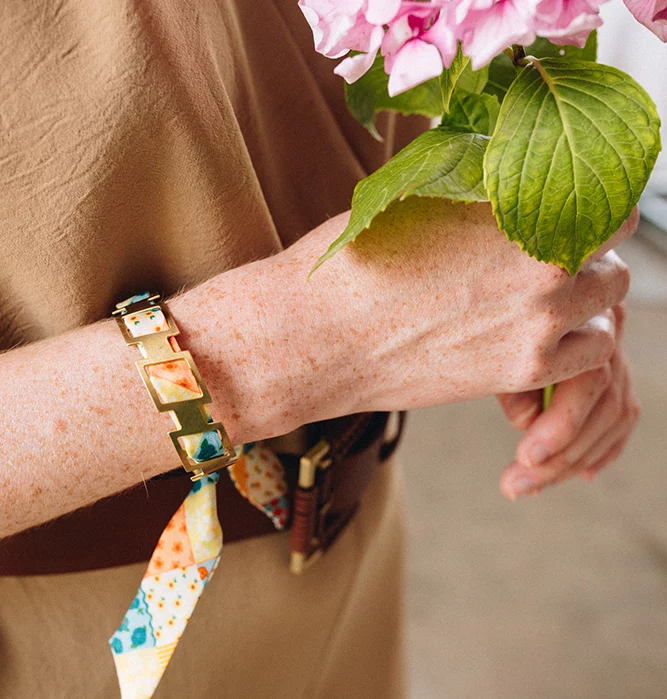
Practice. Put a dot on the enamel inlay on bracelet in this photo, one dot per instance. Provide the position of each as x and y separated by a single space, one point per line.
173 381
151 320
203 446
134 299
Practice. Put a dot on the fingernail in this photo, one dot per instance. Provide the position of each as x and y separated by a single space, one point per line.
522 486
538 453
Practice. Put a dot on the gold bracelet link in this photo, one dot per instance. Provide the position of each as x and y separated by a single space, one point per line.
161 353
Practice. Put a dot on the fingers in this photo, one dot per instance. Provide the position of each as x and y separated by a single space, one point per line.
588 424
519 479
558 427
617 436
521 409
609 458
588 347
602 453
599 285
609 416
612 444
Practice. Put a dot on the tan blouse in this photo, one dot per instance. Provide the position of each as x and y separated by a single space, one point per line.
156 143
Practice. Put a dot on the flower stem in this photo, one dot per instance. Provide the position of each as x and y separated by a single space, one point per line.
547 395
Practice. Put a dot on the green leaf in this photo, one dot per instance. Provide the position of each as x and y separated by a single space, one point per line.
461 78
473 113
439 163
472 80
543 48
369 95
450 77
502 74
572 151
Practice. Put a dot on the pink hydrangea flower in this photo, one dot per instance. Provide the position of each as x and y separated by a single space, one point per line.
415 46
418 38
418 44
652 14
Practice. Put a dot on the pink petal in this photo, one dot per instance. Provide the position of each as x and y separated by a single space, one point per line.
486 33
313 20
354 67
350 7
338 25
567 21
463 7
415 63
398 34
382 11
652 14
335 40
442 36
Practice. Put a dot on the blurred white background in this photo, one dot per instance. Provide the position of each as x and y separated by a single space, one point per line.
626 44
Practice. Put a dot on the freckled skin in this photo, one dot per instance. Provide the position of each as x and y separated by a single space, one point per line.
431 306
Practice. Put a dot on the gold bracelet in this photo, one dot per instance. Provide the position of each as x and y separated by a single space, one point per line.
175 385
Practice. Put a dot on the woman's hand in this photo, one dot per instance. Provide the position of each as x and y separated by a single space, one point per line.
433 305
585 429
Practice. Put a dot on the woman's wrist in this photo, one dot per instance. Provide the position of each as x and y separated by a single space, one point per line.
273 348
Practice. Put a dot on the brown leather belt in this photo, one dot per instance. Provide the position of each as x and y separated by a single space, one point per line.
124 528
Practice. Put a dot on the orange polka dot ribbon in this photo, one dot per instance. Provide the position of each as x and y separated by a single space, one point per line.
189 549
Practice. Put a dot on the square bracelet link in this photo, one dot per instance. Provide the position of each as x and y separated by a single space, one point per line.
175 384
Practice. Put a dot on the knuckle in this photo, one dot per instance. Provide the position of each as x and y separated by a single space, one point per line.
552 279
548 326
608 279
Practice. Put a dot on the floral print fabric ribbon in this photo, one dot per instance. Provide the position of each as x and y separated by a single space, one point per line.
186 556
189 549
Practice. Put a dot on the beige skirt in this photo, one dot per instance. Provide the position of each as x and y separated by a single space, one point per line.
259 632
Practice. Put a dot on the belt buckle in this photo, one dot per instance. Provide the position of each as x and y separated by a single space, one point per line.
312 501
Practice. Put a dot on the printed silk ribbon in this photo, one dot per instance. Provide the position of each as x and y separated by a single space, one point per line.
188 551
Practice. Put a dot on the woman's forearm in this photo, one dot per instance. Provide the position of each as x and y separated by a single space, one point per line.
79 424
432 305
